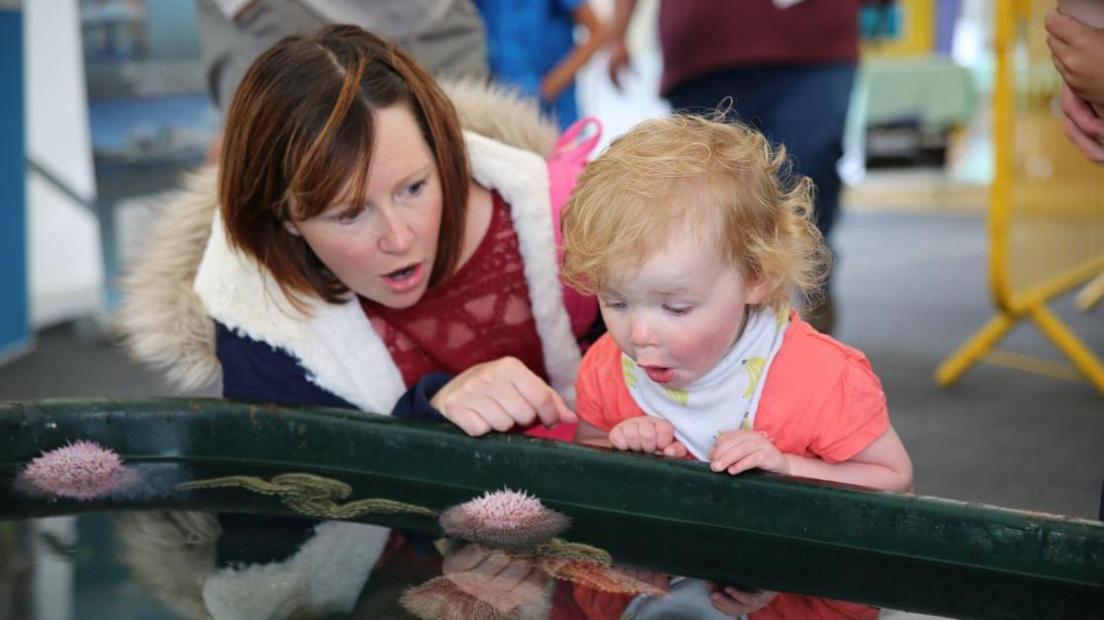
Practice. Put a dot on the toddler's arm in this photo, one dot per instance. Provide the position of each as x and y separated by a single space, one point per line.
884 464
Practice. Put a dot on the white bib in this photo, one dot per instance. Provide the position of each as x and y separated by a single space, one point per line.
727 397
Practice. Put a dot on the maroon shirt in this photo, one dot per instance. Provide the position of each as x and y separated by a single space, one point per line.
480 313
699 36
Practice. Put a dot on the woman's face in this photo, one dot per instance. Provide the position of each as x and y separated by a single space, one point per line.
384 249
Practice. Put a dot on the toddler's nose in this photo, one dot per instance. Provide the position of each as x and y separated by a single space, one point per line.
641 333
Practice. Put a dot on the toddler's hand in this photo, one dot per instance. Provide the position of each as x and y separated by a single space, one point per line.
734 602
647 434
741 450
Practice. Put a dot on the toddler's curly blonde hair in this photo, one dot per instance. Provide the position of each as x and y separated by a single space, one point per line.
722 182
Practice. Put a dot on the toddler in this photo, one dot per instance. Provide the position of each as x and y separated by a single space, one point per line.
695 239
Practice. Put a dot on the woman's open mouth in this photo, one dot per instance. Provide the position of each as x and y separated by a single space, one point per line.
404 279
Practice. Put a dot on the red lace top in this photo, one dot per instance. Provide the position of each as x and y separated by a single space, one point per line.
481 313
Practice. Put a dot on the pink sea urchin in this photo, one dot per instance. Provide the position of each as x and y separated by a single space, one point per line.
512 519
81 470
441 599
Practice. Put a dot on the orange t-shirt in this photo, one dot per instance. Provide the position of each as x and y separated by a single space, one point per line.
598 605
821 398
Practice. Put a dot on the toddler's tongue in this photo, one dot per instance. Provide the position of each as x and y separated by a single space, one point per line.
659 374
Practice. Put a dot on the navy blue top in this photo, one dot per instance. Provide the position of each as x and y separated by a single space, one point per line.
256 372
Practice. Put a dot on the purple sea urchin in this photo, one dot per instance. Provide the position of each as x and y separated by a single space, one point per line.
81 470
510 519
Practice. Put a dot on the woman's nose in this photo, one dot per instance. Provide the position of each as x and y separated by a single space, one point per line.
397 235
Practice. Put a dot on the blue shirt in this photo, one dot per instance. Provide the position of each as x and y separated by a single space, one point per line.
525 40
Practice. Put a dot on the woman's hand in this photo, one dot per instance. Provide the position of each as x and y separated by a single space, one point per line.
494 577
647 434
741 450
499 395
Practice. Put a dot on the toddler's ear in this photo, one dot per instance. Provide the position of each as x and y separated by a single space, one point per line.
759 291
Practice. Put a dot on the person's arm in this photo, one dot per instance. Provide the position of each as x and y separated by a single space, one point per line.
619 51
563 74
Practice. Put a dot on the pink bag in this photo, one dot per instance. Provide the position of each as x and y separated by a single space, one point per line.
564 167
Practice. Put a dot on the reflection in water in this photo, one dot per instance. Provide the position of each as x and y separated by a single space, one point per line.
173 554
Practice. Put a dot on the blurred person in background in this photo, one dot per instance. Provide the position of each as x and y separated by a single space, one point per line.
445 36
1076 43
531 46
788 66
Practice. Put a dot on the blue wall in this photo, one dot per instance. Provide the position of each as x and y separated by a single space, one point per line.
14 321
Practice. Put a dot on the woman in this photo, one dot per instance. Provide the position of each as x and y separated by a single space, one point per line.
366 254
358 257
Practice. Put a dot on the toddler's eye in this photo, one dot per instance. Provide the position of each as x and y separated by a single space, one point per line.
677 310
614 305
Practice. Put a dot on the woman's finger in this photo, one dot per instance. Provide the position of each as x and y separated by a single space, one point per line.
542 399
492 413
467 419
516 406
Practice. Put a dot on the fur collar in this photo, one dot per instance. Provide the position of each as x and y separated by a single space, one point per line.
162 320
336 344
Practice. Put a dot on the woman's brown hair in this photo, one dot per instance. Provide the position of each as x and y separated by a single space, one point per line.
301 125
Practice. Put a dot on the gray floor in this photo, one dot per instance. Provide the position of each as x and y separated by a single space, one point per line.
910 288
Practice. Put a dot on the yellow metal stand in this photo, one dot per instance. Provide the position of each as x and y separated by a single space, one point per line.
1017 298
1091 295
981 346
971 351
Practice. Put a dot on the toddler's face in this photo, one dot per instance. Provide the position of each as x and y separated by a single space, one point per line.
680 313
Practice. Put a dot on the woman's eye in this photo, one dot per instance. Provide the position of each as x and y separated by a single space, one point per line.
349 215
415 189
677 310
